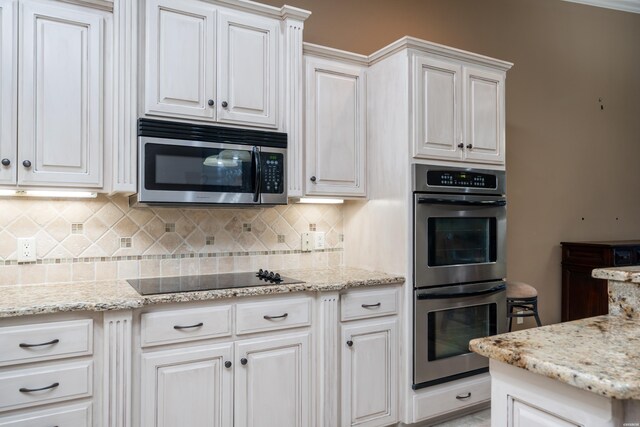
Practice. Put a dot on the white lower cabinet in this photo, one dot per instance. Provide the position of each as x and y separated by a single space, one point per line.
523 415
272 382
369 362
190 386
67 416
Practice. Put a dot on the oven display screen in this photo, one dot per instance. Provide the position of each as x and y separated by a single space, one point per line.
451 330
462 240
461 179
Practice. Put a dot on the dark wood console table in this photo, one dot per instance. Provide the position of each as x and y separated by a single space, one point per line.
582 295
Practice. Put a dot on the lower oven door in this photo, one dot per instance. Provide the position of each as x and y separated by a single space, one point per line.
445 320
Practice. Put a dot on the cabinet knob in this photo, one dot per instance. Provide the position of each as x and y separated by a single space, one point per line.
227 364
243 361
210 102
6 162
224 104
461 146
469 146
26 164
312 179
350 343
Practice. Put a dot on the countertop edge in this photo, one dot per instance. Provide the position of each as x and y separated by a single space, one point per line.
619 274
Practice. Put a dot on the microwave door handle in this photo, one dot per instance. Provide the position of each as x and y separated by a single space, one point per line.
428 295
437 201
258 172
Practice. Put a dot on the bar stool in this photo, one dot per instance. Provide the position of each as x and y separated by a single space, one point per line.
523 296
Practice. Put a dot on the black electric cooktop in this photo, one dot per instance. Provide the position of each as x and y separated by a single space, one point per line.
169 285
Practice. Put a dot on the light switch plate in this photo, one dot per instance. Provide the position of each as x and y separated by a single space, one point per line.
318 240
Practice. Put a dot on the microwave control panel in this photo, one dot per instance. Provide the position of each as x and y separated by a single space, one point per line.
272 173
443 178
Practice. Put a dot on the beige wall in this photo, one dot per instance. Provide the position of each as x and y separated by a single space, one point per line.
567 159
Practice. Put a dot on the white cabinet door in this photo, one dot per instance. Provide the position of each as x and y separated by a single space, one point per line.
272 387
437 103
484 116
180 59
335 128
189 386
370 373
8 93
247 76
60 131
523 415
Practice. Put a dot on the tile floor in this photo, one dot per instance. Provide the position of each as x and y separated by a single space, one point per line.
477 419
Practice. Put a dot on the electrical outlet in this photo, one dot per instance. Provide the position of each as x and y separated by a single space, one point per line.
318 240
519 320
307 242
26 249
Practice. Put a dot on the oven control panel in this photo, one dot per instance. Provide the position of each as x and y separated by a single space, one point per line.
444 178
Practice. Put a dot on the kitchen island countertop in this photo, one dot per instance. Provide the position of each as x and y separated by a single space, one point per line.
598 354
21 300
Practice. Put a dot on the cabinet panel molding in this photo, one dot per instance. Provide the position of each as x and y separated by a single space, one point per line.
8 92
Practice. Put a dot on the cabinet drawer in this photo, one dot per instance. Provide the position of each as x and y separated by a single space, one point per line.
45 341
449 397
365 304
190 324
21 388
67 416
274 315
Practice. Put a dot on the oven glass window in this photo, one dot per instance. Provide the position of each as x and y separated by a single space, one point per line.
451 330
180 168
461 240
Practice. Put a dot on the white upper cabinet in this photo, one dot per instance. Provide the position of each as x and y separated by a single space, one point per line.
459 111
335 128
247 65
438 102
8 93
180 45
209 63
484 122
61 95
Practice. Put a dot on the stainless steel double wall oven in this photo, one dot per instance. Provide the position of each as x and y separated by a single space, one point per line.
459 269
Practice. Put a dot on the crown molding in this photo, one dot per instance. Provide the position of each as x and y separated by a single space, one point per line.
632 6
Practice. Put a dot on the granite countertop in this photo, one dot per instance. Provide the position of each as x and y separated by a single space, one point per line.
21 300
598 354
620 274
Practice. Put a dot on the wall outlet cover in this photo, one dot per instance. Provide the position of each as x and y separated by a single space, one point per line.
307 242
26 249
318 240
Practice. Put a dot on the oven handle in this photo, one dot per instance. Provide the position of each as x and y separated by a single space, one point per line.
258 169
439 201
427 295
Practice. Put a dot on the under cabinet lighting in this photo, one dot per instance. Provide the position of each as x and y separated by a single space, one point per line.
320 201
49 193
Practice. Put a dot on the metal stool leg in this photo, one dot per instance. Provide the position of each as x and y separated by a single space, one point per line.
510 315
535 312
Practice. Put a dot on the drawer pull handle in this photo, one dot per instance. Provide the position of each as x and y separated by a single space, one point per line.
197 325
463 396
282 316
24 345
376 305
30 390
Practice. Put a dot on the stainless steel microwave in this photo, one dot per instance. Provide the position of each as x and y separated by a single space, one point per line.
185 164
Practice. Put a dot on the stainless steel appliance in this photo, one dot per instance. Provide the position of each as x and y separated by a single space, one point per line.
187 164
459 268
166 285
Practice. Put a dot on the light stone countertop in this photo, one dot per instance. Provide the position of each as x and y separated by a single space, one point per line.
598 354
22 300
619 274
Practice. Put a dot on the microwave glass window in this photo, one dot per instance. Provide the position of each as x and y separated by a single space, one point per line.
451 330
461 240
199 169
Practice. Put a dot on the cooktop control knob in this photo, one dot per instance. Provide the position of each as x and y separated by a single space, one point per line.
260 272
277 278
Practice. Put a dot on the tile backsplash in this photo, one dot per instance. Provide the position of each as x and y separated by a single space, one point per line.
102 239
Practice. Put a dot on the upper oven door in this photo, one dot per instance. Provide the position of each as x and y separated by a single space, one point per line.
459 239
180 171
